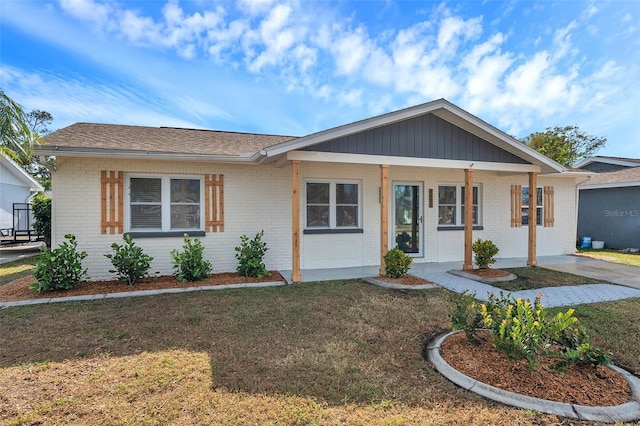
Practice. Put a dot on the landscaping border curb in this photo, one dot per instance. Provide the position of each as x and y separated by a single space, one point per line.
139 293
374 281
627 412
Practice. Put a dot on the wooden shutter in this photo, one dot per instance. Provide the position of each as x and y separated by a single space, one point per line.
516 206
548 207
111 183
214 203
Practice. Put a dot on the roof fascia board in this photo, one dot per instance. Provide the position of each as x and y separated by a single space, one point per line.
605 160
330 157
610 185
20 173
143 155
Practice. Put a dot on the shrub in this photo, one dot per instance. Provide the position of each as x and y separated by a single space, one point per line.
522 330
484 253
41 209
129 261
189 264
465 316
397 263
250 256
60 268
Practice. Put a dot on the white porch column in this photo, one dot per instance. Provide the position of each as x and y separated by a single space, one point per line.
468 219
295 221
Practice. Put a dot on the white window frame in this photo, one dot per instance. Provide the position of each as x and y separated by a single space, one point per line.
460 204
165 203
539 207
332 203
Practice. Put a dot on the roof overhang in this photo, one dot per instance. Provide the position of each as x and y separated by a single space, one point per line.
146 155
441 108
20 173
606 160
610 185
331 157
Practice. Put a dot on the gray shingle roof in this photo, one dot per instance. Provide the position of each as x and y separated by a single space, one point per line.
610 178
159 140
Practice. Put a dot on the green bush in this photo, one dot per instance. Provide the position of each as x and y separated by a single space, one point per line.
466 316
250 255
129 261
60 268
522 330
397 263
41 209
484 253
189 264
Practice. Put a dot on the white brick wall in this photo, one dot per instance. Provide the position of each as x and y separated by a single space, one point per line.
259 197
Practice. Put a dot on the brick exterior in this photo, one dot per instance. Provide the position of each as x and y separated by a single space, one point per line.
258 197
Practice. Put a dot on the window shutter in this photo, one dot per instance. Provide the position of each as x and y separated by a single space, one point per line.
516 206
214 203
111 220
548 206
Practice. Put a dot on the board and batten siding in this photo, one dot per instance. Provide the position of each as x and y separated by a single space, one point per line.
425 136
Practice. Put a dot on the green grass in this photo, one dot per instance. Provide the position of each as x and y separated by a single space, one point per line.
532 278
16 269
341 352
611 255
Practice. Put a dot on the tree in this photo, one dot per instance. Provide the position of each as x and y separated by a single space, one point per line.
566 145
16 138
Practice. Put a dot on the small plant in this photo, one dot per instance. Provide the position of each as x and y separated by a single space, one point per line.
485 252
60 268
129 261
250 256
397 263
189 264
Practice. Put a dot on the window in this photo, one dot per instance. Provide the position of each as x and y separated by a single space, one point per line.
451 205
525 206
164 203
332 204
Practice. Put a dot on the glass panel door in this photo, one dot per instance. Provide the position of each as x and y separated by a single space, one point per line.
407 218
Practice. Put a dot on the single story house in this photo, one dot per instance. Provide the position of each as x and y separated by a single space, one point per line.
16 187
337 198
609 206
600 164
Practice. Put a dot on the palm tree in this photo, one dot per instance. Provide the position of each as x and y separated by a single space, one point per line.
16 138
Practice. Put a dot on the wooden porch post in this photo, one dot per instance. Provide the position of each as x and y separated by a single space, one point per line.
295 221
533 218
384 215
468 219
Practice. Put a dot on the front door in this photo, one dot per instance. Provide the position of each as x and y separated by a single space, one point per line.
407 218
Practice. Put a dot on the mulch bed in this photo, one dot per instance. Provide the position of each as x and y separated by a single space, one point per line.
582 385
488 273
19 289
406 280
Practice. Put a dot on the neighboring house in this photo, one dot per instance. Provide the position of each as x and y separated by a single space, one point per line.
16 187
601 164
609 206
337 198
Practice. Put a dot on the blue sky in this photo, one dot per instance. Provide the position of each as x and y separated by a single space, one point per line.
294 68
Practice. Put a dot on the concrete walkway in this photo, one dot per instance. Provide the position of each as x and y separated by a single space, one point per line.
11 253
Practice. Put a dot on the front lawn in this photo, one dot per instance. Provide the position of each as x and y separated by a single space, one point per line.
16 269
341 352
532 278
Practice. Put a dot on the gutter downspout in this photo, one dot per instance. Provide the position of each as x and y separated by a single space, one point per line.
578 202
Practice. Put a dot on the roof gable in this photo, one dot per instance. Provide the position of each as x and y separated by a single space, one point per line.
18 173
440 108
423 136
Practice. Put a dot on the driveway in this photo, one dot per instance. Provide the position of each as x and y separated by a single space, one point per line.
616 273
10 253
